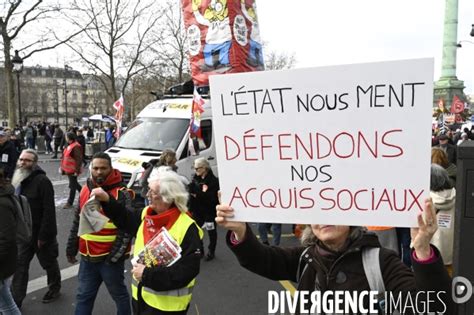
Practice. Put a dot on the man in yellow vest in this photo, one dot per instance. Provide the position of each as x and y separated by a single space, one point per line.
102 253
158 289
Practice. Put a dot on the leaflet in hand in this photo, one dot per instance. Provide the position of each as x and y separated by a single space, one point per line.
91 219
161 250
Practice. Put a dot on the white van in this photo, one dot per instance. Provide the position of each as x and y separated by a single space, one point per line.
163 124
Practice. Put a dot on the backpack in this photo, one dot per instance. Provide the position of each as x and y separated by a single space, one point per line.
372 270
24 229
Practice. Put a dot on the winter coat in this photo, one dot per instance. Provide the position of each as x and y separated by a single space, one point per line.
8 249
29 132
328 270
48 136
38 189
450 150
120 248
203 203
444 202
82 141
452 171
58 136
8 158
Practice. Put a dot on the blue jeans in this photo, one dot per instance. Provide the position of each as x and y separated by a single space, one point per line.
404 240
276 230
91 275
7 304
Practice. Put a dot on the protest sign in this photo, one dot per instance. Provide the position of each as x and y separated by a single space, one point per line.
332 145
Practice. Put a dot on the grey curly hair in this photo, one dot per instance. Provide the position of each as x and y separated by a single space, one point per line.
172 189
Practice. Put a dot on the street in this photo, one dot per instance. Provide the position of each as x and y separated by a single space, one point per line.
223 287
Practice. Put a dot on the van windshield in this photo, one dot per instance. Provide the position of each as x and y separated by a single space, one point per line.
154 134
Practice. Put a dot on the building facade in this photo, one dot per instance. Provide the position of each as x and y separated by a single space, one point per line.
56 94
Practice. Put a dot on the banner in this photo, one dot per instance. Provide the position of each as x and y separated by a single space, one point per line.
223 37
332 145
457 106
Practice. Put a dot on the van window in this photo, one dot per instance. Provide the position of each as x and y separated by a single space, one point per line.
206 132
201 144
154 134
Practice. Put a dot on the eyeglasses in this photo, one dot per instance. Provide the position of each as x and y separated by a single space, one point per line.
198 168
154 194
25 160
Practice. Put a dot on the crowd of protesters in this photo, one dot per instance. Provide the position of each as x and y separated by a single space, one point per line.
102 256
187 208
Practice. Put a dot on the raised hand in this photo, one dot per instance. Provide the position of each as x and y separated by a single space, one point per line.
427 227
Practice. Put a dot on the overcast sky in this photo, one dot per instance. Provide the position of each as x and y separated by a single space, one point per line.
331 32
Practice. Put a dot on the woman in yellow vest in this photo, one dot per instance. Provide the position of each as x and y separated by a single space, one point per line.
158 289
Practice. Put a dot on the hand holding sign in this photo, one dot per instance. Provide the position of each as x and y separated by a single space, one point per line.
225 212
336 140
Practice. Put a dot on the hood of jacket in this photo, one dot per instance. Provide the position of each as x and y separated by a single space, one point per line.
34 172
7 145
7 190
358 237
444 200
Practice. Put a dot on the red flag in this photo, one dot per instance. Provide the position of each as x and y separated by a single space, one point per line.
457 106
197 110
459 119
118 105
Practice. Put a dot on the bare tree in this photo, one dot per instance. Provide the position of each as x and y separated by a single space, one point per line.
26 24
172 48
114 45
279 61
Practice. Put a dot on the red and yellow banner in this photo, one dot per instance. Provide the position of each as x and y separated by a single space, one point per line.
223 37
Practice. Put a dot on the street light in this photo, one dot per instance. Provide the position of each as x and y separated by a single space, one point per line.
459 44
17 63
66 69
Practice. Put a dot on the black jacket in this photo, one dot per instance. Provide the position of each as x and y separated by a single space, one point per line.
82 141
122 240
8 158
451 151
8 249
342 271
203 204
158 278
38 189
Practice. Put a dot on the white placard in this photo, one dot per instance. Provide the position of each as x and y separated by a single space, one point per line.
333 145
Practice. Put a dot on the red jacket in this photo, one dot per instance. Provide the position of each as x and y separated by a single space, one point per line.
71 161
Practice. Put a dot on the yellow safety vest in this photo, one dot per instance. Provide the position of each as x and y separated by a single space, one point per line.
172 300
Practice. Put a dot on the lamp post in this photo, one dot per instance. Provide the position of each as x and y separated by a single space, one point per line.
17 63
66 69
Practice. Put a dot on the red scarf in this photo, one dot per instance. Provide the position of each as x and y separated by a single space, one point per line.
154 222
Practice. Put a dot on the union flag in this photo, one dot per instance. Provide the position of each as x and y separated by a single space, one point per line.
197 110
